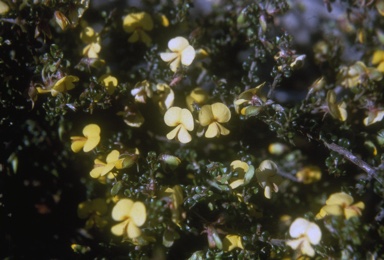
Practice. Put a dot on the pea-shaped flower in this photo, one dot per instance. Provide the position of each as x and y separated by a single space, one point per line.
87 142
268 178
340 204
109 82
197 96
62 85
137 24
92 39
231 242
101 168
336 110
183 120
306 234
181 53
212 116
132 216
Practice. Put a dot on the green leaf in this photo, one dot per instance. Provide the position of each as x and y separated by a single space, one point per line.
116 188
249 174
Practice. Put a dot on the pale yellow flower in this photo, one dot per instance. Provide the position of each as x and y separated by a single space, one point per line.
4 8
240 168
213 116
268 178
309 174
250 101
378 58
138 24
87 142
92 39
181 53
197 96
231 242
337 111
374 116
166 96
132 216
306 234
61 86
182 119
142 91
109 82
340 204
101 168
357 74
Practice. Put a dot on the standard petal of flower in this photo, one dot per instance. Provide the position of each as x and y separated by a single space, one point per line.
335 210
119 229
168 56
113 156
205 115
171 135
187 119
178 44
188 55
298 227
221 112
313 233
173 116
212 131
183 136
107 168
133 231
147 22
340 198
91 130
96 172
138 213
122 209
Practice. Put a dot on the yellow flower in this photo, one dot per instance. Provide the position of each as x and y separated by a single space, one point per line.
249 102
306 233
92 40
309 174
212 116
4 8
132 216
277 148
380 6
175 195
357 74
109 82
268 178
340 204
132 116
182 53
137 24
197 96
101 168
62 85
166 96
337 111
93 211
87 142
231 242
374 116
183 120
378 58
241 168
142 91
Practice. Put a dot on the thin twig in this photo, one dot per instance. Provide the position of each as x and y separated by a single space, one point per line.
372 172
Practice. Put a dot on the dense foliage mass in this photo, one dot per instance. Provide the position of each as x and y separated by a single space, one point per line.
192 129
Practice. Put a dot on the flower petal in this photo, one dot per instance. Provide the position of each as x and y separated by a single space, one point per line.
91 143
91 130
205 115
335 210
340 198
298 227
183 136
133 231
223 130
78 143
178 44
138 213
119 229
313 233
173 116
168 56
212 131
221 112
122 209
171 135
113 156
188 55
187 119
175 64
307 249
